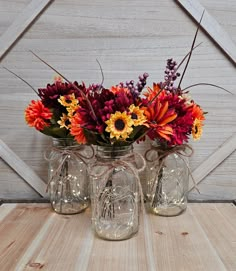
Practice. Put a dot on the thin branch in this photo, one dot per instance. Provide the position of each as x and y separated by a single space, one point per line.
100 66
207 84
187 55
22 80
155 96
190 54
82 93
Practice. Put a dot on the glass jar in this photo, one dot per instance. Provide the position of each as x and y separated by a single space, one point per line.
167 182
115 196
68 178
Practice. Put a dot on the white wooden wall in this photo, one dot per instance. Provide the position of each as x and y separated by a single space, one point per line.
128 38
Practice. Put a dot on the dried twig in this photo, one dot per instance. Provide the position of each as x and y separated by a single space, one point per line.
82 93
190 54
22 80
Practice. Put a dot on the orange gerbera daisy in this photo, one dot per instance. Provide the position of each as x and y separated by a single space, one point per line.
76 130
154 92
197 112
117 89
159 116
37 115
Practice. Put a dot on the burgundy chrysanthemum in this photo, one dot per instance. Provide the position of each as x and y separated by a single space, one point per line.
52 93
104 102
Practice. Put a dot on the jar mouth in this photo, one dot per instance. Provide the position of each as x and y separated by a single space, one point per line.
64 142
114 152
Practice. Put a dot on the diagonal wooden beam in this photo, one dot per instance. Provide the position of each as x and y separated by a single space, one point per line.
20 24
20 167
211 26
217 157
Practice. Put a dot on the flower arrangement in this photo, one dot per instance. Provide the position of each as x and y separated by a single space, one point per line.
172 115
68 110
119 115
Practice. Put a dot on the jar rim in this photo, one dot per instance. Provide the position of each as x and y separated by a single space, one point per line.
113 151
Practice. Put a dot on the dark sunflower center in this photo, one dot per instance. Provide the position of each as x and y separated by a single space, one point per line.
119 124
134 116
67 122
196 129
68 101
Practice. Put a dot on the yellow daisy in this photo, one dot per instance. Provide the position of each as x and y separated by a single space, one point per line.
64 122
137 115
68 100
72 110
119 125
197 129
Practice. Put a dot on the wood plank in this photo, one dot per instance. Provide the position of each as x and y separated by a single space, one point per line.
34 237
6 209
179 243
214 160
211 26
127 255
218 222
18 229
66 242
22 169
20 24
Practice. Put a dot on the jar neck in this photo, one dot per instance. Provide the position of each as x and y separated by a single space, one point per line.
64 142
114 152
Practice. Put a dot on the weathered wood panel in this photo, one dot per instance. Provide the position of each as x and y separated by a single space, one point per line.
128 38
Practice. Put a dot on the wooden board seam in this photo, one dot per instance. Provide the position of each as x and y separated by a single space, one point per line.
214 160
21 24
212 27
20 167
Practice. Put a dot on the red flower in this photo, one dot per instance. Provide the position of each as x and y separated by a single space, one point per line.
52 93
76 129
159 116
170 116
37 115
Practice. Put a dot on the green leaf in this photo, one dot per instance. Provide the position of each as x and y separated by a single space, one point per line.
56 132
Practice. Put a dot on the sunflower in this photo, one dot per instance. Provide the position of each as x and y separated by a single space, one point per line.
68 100
197 129
119 125
72 110
64 122
137 115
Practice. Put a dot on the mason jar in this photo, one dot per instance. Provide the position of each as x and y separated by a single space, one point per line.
115 195
68 178
167 181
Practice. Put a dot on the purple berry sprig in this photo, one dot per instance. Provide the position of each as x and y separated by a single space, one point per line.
171 75
137 88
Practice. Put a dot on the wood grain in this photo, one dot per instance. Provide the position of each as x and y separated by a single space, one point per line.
128 38
211 26
222 217
17 230
214 160
20 24
35 238
22 169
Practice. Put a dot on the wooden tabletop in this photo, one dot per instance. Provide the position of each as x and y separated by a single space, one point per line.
33 237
